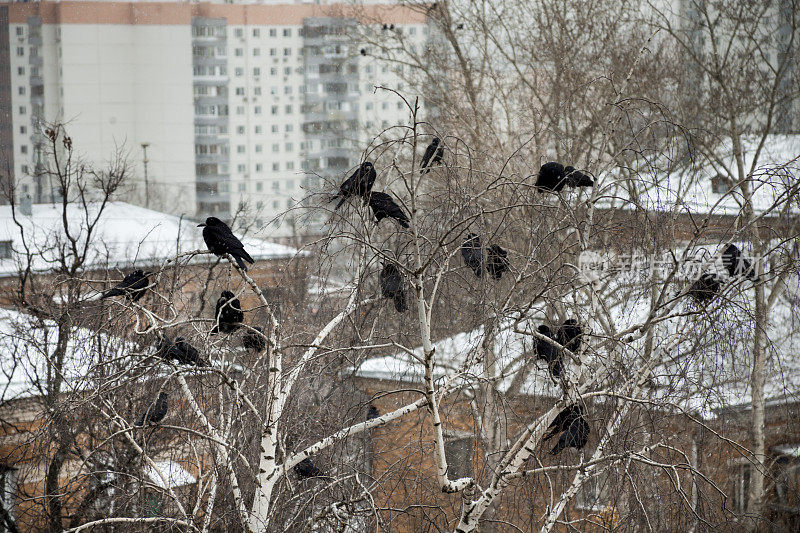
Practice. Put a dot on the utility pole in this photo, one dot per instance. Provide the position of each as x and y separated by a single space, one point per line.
146 183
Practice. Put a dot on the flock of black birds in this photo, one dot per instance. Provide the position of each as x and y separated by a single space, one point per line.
571 422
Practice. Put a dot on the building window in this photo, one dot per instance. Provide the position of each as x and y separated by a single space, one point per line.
256 52
787 470
276 148
240 110
5 253
290 184
273 32
290 165
259 184
20 31
20 50
287 52
22 110
240 91
287 89
256 90
458 451
288 109
287 71
256 32
275 167
273 51
289 128
257 110
289 147
274 128
259 148
238 71
240 130
241 168
239 32
240 149
24 169
287 32
258 130
238 52
274 110
21 71
257 73
273 71
719 184
242 187
23 130
741 487
23 149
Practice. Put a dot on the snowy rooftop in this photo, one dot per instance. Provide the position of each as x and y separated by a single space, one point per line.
707 369
125 235
25 349
777 169
457 354
174 474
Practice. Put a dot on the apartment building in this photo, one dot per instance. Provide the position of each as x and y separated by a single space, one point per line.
218 107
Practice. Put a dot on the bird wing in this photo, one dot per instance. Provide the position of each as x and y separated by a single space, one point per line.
427 155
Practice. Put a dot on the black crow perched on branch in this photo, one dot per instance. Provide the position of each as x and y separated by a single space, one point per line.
569 335
554 176
472 252
373 413
254 341
133 286
181 351
221 240
306 469
736 265
576 435
705 287
548 351
228 314
563 420
432 156
155 412
496 261
392 286
383 206
358 184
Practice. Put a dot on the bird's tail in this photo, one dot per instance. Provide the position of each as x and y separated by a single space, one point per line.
400 301
557 448
496 273
403 222
556 368
579 179
343 200
550 434
478 270
240 262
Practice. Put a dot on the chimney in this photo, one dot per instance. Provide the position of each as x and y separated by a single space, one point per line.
25 205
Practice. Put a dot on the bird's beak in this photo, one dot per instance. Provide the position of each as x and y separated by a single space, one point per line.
203 225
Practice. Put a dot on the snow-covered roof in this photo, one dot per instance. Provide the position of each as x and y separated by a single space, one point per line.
790 450
174 474
125 235
776 171
26 346
457 354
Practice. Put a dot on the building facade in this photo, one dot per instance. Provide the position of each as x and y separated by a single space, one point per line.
218 107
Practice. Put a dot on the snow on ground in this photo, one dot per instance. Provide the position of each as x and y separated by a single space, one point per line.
126 235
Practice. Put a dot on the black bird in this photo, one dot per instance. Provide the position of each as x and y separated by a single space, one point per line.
363 51
705 287
569 335
432 156
221 240
472 252
460 26
228 314
496 261
359 183
155 412
736 264
306 469
133 286
391 26
181 351
392 286
383 206
548 351
563 420
254 341
575 436
576 178
554 176
373 413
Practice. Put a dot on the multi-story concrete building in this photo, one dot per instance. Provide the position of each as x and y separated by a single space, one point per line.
217 106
